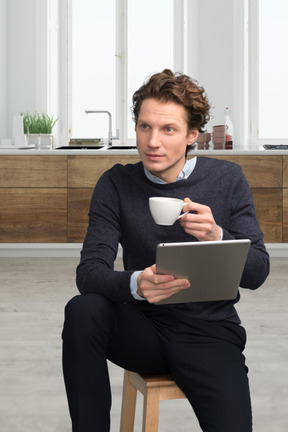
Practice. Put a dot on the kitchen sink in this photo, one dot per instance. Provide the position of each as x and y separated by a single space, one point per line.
81 147
275 147
122 148
96 147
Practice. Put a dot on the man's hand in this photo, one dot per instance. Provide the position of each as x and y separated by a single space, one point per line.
155 287
200 223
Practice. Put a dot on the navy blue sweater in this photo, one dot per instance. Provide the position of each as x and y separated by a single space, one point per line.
119 213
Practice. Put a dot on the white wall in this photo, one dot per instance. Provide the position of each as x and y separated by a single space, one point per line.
3 69
21 70
23 60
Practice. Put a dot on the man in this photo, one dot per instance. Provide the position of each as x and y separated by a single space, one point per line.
116 318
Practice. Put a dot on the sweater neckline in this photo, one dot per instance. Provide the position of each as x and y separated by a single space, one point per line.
178 183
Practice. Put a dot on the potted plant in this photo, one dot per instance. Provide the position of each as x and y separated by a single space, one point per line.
38 128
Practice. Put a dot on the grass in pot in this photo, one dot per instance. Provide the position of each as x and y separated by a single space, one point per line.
39 128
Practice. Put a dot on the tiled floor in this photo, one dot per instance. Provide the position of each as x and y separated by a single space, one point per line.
33 294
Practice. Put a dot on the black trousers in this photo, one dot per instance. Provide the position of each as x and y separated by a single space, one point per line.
204 358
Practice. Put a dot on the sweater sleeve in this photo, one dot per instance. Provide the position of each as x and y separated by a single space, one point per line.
244 224
95 272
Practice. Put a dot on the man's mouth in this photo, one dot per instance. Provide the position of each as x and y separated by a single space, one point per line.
154 156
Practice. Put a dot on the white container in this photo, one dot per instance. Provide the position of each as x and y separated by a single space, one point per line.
18 127
41 140
18 137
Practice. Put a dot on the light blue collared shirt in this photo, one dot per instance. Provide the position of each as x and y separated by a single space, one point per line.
184 174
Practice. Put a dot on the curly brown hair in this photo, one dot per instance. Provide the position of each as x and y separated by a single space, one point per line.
167 86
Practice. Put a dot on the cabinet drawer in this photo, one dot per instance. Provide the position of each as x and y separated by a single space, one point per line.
33 171
33 215
268 205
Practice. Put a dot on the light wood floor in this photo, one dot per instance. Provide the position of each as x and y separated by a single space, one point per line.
33 294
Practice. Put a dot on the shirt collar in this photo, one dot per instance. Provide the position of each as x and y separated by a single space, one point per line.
184 174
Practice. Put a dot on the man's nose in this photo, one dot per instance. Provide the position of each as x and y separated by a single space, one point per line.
154 139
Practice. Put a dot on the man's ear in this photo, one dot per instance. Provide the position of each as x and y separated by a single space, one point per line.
192 136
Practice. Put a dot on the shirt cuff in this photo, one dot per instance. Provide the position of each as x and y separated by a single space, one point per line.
221 238
133 285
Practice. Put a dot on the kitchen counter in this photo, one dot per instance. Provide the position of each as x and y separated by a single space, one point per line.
45 194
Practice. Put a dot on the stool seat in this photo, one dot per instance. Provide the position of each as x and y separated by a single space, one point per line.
154 388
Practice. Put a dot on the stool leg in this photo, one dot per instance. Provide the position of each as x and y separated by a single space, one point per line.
151 410
128 405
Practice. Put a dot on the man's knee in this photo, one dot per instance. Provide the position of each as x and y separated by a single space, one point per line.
85 313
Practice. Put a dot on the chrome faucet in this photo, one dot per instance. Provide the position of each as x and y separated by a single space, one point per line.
110 123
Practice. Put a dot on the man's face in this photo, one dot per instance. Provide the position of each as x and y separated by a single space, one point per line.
162 139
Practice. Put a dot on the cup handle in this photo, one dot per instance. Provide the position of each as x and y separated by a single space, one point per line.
183 213
179 217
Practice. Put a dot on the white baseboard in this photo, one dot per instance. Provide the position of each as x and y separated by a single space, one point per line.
40 250
72 250
277 250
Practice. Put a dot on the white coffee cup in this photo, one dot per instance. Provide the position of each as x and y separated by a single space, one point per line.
164 210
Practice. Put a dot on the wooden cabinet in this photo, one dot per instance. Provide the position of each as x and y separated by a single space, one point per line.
33 199
268 206
285 215
285 172
46 198
285 199
33 171
33 215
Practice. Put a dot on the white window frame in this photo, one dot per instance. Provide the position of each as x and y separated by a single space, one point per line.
241 72
182 45
65 71
253 89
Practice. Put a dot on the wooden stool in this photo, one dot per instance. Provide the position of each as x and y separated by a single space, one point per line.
154 388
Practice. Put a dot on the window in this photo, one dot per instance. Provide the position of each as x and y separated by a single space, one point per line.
147 53
120 51
93 68
107 49
269 71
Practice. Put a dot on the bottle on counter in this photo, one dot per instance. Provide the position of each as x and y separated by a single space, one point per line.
229 130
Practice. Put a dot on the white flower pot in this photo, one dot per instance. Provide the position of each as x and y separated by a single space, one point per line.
41 140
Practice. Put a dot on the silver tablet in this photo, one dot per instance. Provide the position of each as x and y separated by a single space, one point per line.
214 268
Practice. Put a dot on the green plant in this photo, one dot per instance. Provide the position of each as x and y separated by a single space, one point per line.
38 123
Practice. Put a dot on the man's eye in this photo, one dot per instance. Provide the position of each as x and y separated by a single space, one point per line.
169 129
144 126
